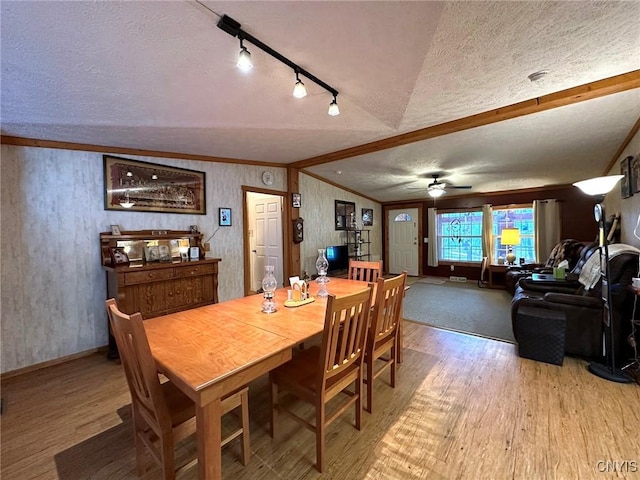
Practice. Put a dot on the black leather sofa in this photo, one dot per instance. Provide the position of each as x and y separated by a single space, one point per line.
584 308
568 250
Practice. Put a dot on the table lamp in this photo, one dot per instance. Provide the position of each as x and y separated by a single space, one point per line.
599 187
510 237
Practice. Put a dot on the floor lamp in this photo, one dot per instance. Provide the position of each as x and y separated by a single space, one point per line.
599 187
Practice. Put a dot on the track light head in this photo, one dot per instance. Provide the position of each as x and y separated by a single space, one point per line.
244 59
333 107
299 90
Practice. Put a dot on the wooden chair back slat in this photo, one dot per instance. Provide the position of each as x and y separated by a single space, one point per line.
364 271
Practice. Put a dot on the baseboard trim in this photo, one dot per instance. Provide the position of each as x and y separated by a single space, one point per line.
51 363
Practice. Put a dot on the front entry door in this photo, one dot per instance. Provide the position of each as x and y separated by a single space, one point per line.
403 241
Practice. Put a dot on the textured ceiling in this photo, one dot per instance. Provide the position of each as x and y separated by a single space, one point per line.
161 76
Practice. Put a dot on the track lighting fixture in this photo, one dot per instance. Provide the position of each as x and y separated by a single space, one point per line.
299 90
232 27
244 58
333 108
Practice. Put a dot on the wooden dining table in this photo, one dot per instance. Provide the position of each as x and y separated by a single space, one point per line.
210 351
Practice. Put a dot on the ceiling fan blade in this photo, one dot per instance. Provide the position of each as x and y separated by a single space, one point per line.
460 186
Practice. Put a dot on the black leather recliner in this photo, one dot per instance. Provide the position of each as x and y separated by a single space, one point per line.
584 308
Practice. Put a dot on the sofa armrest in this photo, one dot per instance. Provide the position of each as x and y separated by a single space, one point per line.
526 266
573 300
552 286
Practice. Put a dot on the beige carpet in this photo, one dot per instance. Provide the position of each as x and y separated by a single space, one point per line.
462 307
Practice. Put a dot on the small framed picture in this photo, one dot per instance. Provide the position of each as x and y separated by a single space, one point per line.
193 228
625 185
119 257
367 217
635 174
115 230
152 253
296 200
224 217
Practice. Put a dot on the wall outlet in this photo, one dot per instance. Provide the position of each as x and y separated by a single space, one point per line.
207 247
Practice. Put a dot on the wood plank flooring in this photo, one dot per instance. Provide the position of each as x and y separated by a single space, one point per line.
464 408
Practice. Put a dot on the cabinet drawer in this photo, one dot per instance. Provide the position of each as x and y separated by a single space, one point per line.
148 276
195 270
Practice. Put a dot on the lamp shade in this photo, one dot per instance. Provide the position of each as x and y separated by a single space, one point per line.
299 90
510 236
333 108
244 60
436 192
599 185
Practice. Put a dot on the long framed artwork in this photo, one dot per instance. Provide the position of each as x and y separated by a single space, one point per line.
135 186
625 184
635 174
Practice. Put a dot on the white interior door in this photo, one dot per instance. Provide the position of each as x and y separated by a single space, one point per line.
403 241
265 233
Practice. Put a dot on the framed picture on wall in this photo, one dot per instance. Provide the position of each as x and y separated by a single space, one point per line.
625 183
224 215
635 174
135 186
296 200
367 217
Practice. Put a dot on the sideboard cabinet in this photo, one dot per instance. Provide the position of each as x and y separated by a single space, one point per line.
156 288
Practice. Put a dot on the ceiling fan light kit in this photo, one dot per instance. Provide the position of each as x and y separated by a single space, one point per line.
436 189
232 27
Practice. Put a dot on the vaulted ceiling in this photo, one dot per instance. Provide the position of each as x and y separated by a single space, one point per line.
160 76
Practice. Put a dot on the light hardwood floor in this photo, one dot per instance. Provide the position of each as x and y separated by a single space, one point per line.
464 408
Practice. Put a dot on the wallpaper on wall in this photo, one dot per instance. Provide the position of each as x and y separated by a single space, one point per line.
52 210
629 208
319 215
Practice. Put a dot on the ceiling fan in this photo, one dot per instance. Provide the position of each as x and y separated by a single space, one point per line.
436 188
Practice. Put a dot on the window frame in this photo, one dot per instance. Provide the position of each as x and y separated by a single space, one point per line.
450 261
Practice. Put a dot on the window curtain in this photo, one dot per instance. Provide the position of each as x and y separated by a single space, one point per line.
546 219
432 232
487 232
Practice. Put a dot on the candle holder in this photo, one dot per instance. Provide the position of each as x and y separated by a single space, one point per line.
322 264
269 285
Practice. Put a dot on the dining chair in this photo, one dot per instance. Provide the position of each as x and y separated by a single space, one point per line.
318 374
383 338
365 271
162 414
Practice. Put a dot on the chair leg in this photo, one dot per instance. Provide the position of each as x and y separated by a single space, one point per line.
138 430
392 367
370 381
359 398
168 462
320 430
244 421
274 407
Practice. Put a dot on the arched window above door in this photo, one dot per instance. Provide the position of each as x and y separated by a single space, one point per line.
403 217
